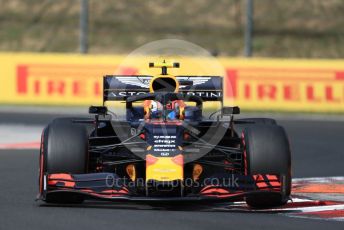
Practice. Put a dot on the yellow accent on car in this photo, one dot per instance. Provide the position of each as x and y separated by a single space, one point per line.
151 90
164 169
164 63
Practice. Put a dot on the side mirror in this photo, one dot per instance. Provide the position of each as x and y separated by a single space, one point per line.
100 110
227 111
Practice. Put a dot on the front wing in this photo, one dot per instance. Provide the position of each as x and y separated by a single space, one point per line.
108 186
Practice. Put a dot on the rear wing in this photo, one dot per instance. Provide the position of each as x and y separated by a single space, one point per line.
120 87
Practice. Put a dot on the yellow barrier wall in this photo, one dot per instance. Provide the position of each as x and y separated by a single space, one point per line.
254 84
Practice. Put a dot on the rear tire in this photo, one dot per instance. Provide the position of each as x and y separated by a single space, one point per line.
268 152
64 149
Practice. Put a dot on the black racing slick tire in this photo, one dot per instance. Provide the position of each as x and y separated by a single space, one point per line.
64 149
267 152
242 123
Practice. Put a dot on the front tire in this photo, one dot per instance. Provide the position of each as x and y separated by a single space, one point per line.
267 152
64 149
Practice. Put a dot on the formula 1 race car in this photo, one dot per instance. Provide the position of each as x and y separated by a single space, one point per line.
164 147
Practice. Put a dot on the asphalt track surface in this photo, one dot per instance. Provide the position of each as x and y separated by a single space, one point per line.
317 148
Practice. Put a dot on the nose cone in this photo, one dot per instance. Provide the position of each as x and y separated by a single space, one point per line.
164 168
164 160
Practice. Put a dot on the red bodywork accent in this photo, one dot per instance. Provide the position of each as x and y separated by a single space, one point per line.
150 160
61 178
263 182
65 182
267 182
143 136
212 191
179 159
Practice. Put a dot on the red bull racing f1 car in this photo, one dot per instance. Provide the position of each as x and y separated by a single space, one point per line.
164 148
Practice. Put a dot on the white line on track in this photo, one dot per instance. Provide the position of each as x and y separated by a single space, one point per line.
331 179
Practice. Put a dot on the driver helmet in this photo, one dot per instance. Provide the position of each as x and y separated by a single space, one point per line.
155 110
176 113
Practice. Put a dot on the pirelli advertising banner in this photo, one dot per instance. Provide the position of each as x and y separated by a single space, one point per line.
253 84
